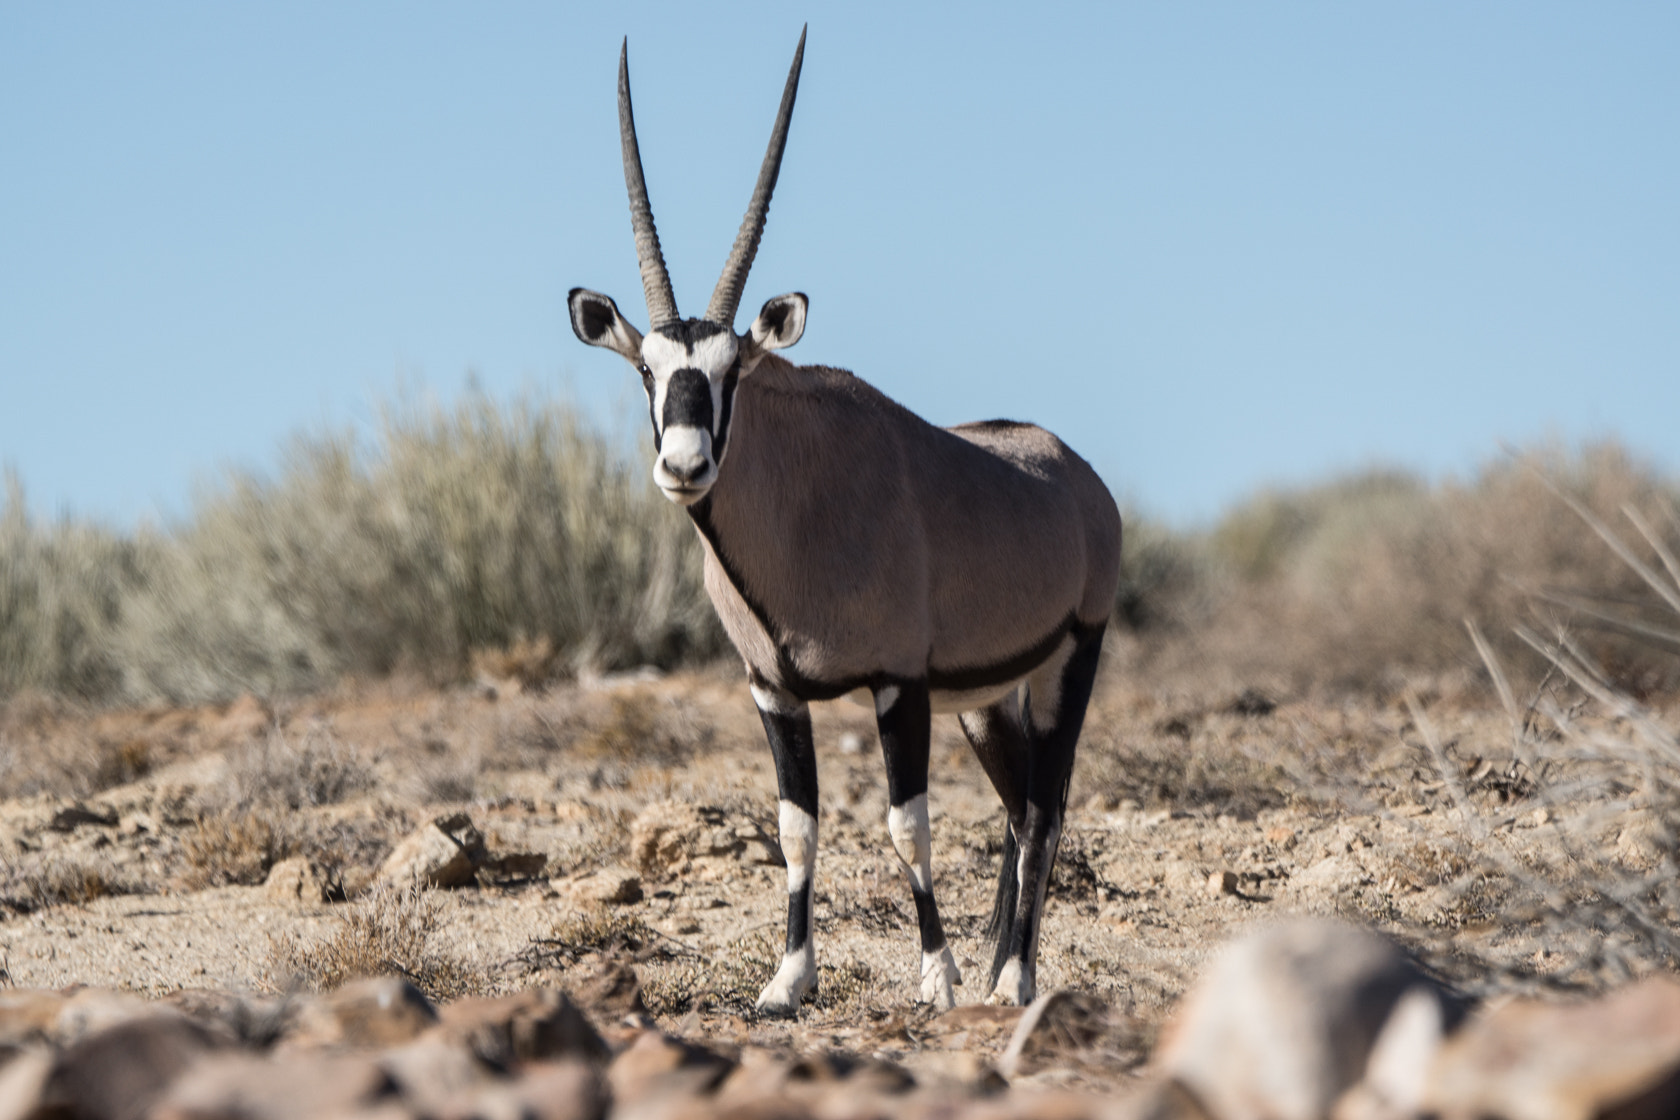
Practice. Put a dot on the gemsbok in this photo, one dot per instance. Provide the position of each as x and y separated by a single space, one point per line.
850 546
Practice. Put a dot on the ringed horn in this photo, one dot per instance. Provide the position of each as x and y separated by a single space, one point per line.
656 281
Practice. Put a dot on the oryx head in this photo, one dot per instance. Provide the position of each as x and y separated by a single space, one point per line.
690 366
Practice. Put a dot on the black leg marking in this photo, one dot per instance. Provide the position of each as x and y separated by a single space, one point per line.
1000 743
904 718
787 724
1049 772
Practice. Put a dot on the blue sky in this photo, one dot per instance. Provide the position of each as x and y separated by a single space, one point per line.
1213 246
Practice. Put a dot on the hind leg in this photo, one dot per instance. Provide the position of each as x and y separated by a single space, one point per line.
1000 743
1057 695
904 718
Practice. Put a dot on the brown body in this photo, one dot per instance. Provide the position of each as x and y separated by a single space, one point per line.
849 540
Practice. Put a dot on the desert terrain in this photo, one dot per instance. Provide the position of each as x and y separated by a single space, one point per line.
627 823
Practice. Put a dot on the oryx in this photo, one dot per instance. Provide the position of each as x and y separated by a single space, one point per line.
850 545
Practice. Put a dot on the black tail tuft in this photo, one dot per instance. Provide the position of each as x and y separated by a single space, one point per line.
1002 922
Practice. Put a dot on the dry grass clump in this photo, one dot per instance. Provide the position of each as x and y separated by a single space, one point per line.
235 848
283 770
453 530
1595 780
35 881
388 933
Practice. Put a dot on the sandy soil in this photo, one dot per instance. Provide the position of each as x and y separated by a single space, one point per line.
1192 814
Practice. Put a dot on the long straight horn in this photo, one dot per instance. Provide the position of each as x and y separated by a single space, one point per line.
656 282
727 295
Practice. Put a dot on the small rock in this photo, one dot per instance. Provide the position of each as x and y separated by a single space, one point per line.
1526 1060
657 1065
1222 883
445 853
551 1091
506 1031
668 837
121 1071
614 994
284 1087
1284 1021
609 886
296 882
381 1011
1281 836
432 1070
28 1015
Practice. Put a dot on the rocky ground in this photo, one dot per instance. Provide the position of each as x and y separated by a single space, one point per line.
624 829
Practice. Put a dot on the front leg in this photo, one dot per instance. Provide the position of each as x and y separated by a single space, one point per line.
904 719
787 724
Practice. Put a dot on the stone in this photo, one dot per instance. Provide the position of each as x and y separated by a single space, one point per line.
1222 883
668 837
117 1073
432 1070
531 1026
380 1011
1527 1060
447 852
609 886
656 1065
614 994
296 882
89 1010
1285 1020
23 1074
28 1015
285 1087
548 1091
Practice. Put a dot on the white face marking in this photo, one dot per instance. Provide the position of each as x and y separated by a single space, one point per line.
799 843
912 838
685 468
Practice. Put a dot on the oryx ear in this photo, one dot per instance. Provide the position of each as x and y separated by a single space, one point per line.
595 320
779 323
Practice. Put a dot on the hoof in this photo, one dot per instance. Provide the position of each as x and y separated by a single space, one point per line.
1015 986
939 976
796 977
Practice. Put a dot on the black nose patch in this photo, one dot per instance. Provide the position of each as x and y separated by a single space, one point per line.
688 400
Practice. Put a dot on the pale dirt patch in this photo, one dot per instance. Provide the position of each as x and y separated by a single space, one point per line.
1311 807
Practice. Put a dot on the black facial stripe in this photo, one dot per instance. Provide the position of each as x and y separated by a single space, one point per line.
688 400
730 380
647 384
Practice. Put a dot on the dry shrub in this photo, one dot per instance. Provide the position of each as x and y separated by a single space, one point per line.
590 932
453 530
36 881
1364 583
235 848
283 770
389 933
1596 874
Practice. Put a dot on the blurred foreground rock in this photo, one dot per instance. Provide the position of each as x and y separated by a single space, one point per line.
1302 1020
